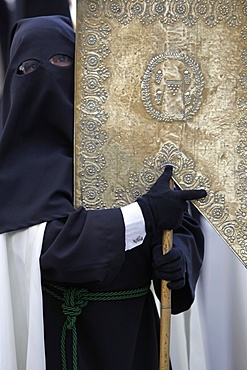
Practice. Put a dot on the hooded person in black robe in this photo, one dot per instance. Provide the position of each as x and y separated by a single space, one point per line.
98 310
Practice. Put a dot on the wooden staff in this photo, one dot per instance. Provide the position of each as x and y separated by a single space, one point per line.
165 307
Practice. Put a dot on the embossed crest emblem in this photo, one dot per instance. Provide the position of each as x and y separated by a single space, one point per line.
172 87
158 82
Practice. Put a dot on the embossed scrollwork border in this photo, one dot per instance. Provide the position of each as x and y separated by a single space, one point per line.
92 136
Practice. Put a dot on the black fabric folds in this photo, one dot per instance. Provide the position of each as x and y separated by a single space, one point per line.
36 142
34 8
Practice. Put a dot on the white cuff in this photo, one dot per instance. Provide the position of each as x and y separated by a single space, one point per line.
134 225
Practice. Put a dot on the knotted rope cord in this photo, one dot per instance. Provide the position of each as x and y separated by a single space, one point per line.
73 300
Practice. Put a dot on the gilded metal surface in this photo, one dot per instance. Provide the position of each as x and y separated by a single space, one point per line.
164 82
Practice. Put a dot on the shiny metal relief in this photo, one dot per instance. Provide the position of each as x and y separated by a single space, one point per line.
162 82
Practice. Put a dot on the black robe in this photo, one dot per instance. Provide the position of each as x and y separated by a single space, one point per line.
86 250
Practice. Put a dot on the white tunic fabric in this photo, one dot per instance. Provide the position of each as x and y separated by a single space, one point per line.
212 335
21 318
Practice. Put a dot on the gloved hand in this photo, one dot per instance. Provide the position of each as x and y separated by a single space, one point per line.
162 207
170 266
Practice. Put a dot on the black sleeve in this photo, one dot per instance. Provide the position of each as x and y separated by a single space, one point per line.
189 236
87 246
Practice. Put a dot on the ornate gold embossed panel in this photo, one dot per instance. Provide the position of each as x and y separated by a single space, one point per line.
162 82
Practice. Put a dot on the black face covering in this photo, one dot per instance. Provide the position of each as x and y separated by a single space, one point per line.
36 143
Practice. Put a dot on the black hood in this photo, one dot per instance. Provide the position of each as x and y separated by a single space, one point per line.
36 143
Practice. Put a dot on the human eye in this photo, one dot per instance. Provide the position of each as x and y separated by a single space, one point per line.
28 66
61 60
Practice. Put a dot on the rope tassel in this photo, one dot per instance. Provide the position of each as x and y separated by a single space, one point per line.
74 300
71 308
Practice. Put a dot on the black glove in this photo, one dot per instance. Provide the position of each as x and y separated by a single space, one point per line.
170 266
162 207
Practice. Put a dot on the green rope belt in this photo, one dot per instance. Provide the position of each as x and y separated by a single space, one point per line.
73 300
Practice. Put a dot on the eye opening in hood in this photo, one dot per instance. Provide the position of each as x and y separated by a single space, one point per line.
28 66
61 60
